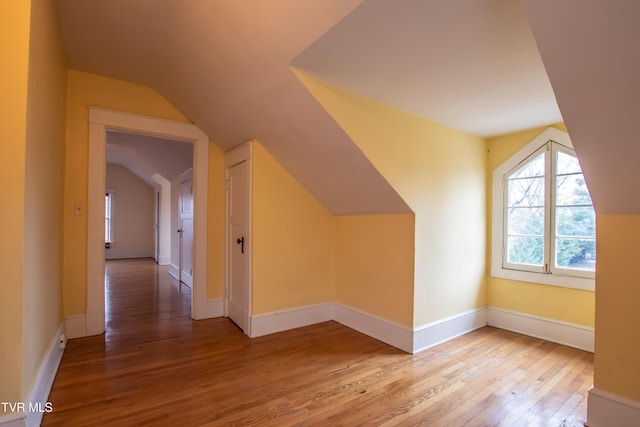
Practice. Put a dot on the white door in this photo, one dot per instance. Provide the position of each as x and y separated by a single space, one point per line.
156 229
185 218
238 294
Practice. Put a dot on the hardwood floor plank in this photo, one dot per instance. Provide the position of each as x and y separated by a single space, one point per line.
155 366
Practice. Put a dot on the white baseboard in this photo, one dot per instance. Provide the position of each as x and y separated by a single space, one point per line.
164 260
174 271
116 254
39 394
269 323
215 307
187 279
44 378
569 334
383 330
443 330
75 326
15 419
399 336
606 409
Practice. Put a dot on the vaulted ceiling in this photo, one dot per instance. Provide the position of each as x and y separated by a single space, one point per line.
472 65
146 156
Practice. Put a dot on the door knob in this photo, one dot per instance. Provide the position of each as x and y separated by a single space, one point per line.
241 243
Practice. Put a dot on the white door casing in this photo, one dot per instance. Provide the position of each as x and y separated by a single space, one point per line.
101 120
238 219
156 226
185 213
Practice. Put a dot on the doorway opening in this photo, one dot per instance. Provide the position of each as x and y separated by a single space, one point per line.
102 121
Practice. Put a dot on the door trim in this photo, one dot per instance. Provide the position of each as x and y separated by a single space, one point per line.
238 155
100 121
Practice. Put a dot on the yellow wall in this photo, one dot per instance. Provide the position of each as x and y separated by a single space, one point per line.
14 51
617 351
85 90
374 265
215 224
568 305
44 189
292 240
440 173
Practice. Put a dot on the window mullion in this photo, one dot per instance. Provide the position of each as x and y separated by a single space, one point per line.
549 202
505 223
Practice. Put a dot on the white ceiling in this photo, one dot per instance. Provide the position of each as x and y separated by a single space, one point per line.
470 64
146 156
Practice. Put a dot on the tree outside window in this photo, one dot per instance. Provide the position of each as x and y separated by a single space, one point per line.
544 223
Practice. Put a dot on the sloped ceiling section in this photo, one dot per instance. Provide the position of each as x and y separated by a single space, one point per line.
590 51
470 65
145 155
225 64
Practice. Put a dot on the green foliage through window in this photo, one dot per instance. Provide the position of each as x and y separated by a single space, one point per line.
547 201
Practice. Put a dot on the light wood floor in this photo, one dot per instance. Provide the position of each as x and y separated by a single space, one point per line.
155 366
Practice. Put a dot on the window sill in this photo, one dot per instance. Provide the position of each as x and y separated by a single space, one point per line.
581 283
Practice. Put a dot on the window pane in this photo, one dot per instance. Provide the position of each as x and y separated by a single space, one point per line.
575 221
576 253
566 163
525 250
107 206
572 190
534 167
107 217
527 221
526 192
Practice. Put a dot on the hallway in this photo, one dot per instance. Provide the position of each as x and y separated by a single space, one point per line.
139 292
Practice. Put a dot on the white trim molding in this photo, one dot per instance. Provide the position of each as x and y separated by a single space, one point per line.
102 120
284 320
39 394
13 419
114 253
44 378
606 409
569 334
174 271
402 337
164 260
446 329
388 332
420 338
75 326
215 307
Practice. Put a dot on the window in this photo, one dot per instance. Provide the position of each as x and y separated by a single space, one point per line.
108 222
543 217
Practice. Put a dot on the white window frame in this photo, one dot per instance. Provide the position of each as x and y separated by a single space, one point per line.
111 192
567 278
